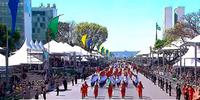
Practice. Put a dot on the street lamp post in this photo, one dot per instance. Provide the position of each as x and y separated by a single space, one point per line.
7 54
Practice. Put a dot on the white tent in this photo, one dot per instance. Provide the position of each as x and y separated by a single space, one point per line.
32 45
188 59
37 45
21 57
41 45
55 47
2 59
80 51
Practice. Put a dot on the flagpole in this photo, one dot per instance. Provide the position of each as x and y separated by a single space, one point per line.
7 54
156 33
48 49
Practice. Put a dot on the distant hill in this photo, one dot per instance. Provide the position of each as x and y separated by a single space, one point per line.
122 54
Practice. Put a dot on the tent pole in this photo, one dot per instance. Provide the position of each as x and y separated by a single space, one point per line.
195 72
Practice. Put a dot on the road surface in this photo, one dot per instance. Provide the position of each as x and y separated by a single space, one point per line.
150 92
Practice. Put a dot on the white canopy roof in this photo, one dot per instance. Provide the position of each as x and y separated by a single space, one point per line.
21 57
32 45
41 45
190 55
55 47
80 51
195 39
37 45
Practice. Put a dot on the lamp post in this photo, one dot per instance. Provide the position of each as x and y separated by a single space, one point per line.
7 54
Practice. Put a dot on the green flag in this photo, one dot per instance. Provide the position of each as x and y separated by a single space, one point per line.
53 27
158 27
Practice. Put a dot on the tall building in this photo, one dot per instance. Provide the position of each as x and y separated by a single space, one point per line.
23 20
168 18
178 14
41 16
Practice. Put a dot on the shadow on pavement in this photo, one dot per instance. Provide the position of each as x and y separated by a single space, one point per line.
146 98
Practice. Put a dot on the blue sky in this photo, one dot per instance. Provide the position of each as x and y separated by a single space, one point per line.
130 23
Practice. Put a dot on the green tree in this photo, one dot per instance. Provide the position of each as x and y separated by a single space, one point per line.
98 33
159 44
13 40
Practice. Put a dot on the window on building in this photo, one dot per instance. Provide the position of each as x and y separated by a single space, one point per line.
42 25
33 30
38 19
38 30
35 24
43 19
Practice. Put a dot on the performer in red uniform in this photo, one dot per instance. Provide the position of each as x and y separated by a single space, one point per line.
140 87
86 88
123 89
83 91
96 90
191 93
110 90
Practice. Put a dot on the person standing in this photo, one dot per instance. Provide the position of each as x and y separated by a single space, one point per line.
123 89
178 92
139 88
110 90
65 84
166 86
170 89
44 93
96 90
72 81
76 79
36 94
57 88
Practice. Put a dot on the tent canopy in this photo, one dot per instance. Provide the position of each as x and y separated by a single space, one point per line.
20 57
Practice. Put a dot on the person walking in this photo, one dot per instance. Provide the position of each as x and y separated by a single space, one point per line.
139 89
96 88
178 92
86 88
110 90
191 92
123 89
83 91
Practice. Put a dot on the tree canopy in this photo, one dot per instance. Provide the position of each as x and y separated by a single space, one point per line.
96 32
13 40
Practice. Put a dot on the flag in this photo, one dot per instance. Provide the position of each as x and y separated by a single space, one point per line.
98 47
102 50
89 43
158 27
13 5
53 27
83 39
107 51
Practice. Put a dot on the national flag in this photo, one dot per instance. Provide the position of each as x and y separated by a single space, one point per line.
102 50
158 27
83 39
89 43
53 27
98 47
107 51
13 5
